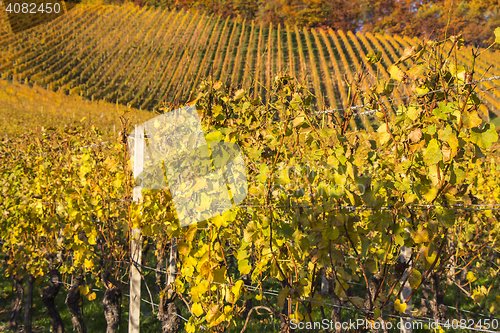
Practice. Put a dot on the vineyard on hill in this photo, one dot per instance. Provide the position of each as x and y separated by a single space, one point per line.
398 225
141 57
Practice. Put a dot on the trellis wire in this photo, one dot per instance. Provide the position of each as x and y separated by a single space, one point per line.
480 207
457 207
360 106
276 293
364 208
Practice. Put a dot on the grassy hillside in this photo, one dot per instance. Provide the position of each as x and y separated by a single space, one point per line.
139 57
31 108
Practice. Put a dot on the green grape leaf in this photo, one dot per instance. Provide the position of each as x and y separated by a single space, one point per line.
443 110
413 112
433 153
484 138
282 297
445 216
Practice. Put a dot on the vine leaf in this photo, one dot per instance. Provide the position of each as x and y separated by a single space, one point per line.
400 307
282 297
470 120
197 310
497 35
433 153
484 138
396 73
415 278
383 135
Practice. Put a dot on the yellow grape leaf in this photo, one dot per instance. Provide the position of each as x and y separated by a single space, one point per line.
297 316
236 289
413 113
92 239
282 177
197 310
229 215
497 35
298 121
244 267
219 274
396 73
190 328
478 296
433 153
383 134
91 296
430 194
471 277
213 136
400 307
213 313
431 258
84 290
485 137
88 264
218 221
470 120
254 190
416 71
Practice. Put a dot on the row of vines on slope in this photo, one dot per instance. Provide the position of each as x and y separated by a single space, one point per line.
324 204
83 52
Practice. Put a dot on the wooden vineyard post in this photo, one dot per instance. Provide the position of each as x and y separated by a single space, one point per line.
135 239
404 257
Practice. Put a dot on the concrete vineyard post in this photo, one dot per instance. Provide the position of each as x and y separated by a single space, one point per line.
135 239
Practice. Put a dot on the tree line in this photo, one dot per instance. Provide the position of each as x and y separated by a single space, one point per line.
475 19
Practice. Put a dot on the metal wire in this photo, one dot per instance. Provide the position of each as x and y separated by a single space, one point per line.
276 293
360 106
364 208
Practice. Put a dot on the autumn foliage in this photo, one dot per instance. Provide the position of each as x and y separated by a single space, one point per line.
476 19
